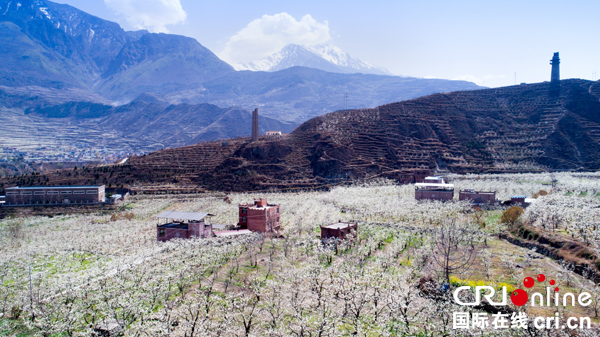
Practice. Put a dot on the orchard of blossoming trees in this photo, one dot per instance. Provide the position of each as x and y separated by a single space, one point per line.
79 275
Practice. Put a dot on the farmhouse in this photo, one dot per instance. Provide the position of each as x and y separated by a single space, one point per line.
185 225
521 200
338 230
260 217
47 195
477 197
413 176
434 188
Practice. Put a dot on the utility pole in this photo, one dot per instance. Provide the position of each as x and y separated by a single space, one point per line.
30 291
346 101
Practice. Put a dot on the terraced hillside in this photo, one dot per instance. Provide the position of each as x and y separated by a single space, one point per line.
525 128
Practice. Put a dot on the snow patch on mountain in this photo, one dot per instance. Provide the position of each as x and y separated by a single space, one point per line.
45 12
7 8
324 56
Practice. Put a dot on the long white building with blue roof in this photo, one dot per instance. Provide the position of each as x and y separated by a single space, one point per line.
54 195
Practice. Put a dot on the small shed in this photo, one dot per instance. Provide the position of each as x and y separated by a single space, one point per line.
518 199
183 225
115 199
338 230
434 188
477 197
412 176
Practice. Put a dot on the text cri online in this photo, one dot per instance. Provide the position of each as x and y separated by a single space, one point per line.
464 320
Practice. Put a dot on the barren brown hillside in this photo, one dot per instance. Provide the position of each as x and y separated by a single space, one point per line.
524 128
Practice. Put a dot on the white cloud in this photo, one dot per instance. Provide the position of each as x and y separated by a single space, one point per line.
493 77
469 78
153 15
267 35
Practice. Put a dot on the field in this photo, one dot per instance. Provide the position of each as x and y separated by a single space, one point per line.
68 275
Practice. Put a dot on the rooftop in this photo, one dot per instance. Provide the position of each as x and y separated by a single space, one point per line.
52 187
261 207
232 233
175 225
431 186
478 192
258 204
183 215
338 225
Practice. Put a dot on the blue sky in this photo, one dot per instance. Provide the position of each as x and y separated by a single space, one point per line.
483 41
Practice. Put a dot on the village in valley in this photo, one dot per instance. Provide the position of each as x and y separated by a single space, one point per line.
259 216
142 195
190 264
378 256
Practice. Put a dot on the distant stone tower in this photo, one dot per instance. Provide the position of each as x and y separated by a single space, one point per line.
255 125
555 62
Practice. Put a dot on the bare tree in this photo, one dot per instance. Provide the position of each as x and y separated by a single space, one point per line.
453 248
230 274
245 306
486 260
273 306
596 297
15 229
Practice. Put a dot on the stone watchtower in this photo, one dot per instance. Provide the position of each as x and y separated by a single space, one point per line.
255 126
555 62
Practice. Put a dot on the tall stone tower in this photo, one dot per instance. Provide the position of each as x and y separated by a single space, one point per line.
255 125
555 62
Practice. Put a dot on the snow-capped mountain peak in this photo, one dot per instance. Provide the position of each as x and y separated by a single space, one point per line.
337 56
325 57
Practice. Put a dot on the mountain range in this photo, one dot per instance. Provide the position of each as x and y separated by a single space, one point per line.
156 123
60 47
56 53
324 57
524 128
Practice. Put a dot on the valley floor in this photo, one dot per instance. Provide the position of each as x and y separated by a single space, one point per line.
70 274
34 139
